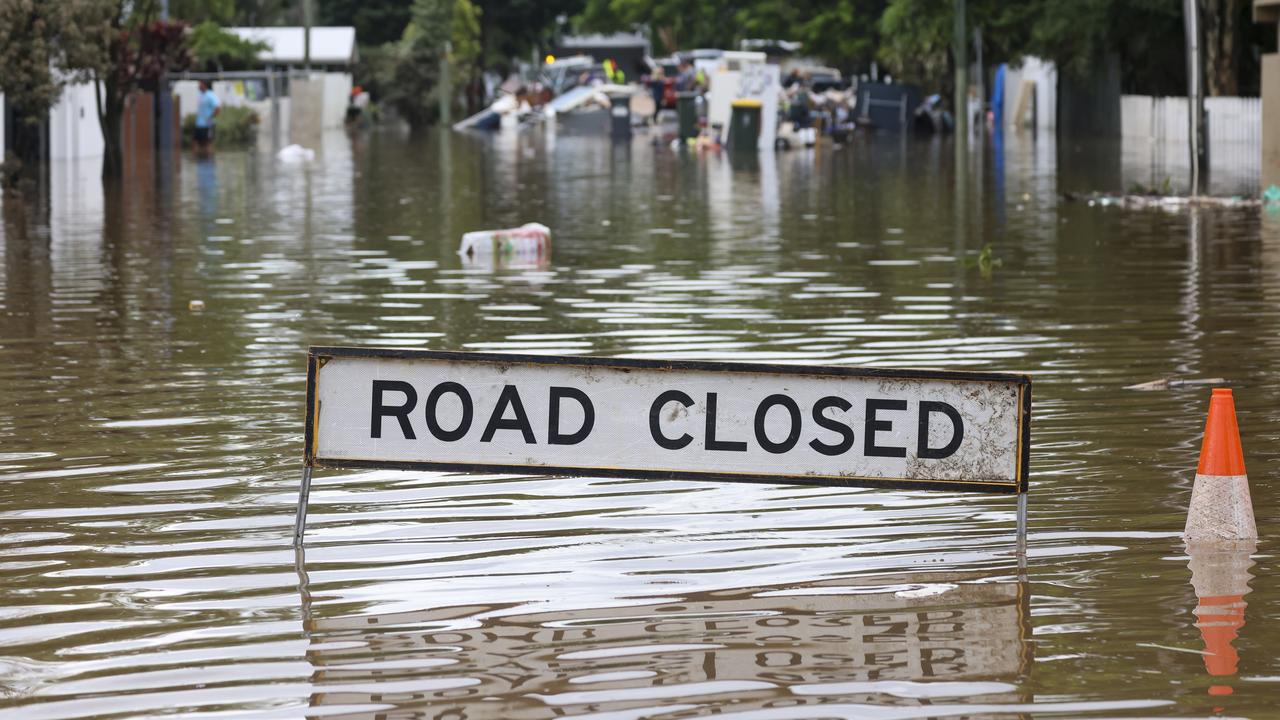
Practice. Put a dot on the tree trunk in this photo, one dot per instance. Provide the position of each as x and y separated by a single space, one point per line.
110 117
1221 46
475 99
667 36
27 142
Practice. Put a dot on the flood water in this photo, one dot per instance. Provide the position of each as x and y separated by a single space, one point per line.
150 453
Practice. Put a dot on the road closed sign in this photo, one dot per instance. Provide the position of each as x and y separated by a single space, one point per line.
654 419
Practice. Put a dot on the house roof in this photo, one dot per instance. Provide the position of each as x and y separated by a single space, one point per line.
616 40
285 45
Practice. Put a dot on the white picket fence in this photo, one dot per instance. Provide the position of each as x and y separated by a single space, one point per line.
1154 138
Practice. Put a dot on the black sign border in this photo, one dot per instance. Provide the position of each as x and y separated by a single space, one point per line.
317 355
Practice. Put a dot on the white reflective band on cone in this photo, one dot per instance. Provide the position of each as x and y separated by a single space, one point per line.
1220 509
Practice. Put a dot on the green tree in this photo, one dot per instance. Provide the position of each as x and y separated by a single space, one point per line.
409 70
843 34
211 46
515 28
916 38
253 12
221 12
33 38
676 24
377 22
1221 20
916 45
125 49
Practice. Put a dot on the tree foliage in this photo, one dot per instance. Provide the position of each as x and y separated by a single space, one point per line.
247 12
220 12
213 46
126 48
676 24
37 41
377 22
912 38
843 34
916 45
515 28
407 72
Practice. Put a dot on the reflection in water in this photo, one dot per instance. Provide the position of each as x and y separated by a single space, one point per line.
1220 576
149 455
207 189
905 641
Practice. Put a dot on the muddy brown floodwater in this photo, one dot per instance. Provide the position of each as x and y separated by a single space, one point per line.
150 451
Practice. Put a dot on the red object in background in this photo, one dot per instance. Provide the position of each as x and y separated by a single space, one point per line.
669 93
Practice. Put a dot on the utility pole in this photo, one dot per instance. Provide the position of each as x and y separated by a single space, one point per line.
960 51
306 35
981 80
164 106
446 86
1195 98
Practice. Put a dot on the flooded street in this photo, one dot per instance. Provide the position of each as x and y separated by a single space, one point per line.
150 452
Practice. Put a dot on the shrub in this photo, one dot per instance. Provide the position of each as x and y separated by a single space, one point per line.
233 128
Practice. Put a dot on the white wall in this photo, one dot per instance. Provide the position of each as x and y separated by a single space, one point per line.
1045 76
229 92
264 108
233 94
317 103
74 132
337 95
720 96
188 93
763 82
1154 135
306 112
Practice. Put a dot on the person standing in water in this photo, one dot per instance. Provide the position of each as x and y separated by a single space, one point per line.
207 108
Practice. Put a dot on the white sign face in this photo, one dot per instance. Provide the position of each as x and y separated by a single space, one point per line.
763 82
721 421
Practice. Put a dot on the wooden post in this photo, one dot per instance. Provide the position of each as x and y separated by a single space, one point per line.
1268 11
306 35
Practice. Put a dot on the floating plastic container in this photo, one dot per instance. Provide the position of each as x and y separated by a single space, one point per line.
531 241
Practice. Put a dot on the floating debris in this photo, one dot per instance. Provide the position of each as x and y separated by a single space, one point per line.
531 240
1172 382
1163 202
295 153
195 305
985 261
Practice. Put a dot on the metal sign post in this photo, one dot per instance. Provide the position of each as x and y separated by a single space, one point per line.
304 495
730 422
1021 549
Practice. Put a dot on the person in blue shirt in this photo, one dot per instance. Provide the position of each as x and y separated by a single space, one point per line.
207 108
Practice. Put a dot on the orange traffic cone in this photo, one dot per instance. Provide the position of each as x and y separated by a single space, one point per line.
1220 505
